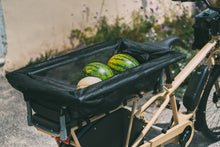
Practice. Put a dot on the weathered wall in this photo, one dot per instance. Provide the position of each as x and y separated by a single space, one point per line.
33 26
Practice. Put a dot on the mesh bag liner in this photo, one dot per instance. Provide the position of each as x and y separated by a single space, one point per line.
101 97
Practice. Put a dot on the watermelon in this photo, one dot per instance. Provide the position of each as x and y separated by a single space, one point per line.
98 70
121 62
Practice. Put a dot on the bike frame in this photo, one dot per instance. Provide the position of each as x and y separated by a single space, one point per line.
180 120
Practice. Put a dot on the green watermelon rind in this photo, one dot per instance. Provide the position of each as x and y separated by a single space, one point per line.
93 70
116 63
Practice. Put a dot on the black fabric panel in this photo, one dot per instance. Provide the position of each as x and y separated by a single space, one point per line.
71 57
100 97
55 126
118 123
145 51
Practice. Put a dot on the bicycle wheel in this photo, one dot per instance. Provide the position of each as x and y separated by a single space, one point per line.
208 114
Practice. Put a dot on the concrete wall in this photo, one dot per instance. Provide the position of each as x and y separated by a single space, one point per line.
33 26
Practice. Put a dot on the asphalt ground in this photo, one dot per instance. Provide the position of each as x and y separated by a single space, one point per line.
14 131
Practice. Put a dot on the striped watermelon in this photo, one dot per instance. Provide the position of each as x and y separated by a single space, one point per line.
122 62
98 70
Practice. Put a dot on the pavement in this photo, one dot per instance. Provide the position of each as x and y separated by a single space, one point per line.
14 131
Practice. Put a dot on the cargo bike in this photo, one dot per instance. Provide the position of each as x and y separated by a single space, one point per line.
96 116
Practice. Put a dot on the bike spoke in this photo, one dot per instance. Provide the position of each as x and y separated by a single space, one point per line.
212 111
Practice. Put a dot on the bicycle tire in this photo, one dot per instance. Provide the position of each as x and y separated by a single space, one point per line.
208 114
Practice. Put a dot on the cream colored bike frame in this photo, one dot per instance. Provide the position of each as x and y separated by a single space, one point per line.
181 120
